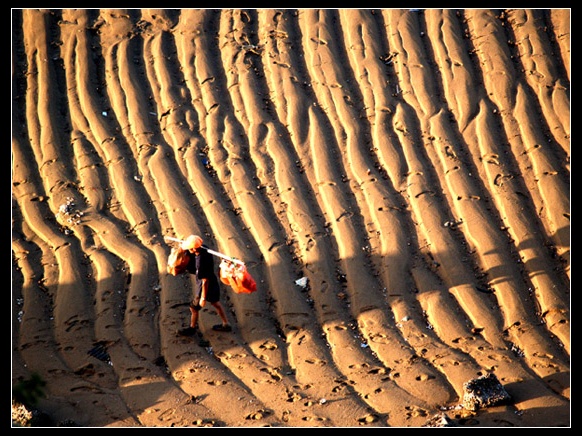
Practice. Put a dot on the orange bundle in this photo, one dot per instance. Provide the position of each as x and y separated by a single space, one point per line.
237 277
177 261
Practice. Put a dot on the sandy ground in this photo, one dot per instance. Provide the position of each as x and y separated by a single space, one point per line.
413 166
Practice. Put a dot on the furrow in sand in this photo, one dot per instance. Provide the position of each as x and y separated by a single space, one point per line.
541 74
169 185
497 170
535 152
400 291
304 343
140 304
458 181
249 369
388 226
71 319
560 24
62 363
157 168
501 268
136 308
92 116
306 232
552 190
512 298
443 247
227 227
75 392
349 356
317 28
547 286
404 304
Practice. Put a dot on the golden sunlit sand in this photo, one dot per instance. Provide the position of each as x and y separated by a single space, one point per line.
397 182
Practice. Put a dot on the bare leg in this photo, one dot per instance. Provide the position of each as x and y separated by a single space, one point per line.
193 317
191 330
221 313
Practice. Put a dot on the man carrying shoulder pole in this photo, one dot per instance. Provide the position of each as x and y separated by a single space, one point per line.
207 287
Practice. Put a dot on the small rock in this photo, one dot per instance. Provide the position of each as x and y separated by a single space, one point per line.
484 391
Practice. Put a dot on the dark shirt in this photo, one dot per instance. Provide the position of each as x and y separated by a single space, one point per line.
201 265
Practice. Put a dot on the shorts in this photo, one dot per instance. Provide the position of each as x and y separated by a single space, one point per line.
212 293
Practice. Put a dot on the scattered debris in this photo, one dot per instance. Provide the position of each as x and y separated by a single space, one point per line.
301 282
21 416
452 223
440 420
252 48
99 351
73 215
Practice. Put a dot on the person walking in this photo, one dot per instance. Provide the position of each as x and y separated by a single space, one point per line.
206 288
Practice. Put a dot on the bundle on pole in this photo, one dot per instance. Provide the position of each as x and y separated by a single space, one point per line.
237 277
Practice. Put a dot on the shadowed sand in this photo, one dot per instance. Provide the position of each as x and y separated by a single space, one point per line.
412 165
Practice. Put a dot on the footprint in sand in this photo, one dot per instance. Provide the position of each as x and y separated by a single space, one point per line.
379 338
259 414
414 412
313 418
368 419
293 397
342 385
424 377
86 389
273 373
269 345
358 366
379 370
186 355
316 362
203 423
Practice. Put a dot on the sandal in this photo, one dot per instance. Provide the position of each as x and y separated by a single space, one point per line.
222 328
188 331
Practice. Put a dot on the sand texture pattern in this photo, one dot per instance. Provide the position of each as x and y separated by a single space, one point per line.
397 182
